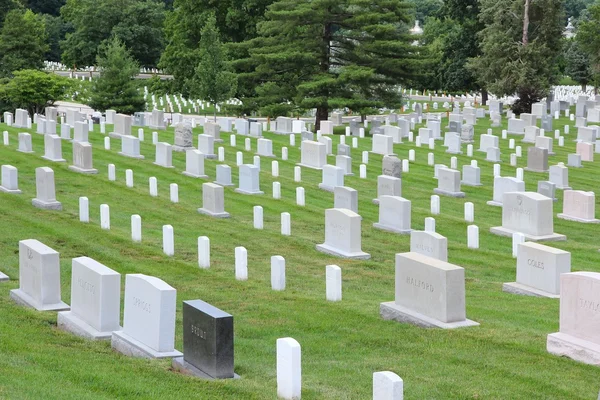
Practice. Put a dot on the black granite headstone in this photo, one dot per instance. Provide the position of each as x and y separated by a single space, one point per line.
208 339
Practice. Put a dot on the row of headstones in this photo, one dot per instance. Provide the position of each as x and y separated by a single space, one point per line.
148 329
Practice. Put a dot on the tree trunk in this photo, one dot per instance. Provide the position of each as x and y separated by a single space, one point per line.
526 23
322 115
215 111
583 87
484 97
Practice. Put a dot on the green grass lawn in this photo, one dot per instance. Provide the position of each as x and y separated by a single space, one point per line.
342 343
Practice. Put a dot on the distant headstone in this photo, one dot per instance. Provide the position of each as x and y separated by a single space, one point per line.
538 270
39 277
95 300
528 213
579 206
391 166
45 190
183 137
313 154
345 197
394 215
148 319
388 186
449 183
537 159
342 234
194 164
430 293
82 158
430 244
579 334
213 201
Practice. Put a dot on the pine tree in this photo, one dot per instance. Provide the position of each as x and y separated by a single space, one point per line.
115 88
23 42
212 79
578 66
520 45
326 54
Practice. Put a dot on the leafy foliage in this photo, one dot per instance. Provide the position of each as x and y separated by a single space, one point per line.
425 9
33 90
328 54
507 65
115 87
6 6
137 23
50 7
213 81
23 42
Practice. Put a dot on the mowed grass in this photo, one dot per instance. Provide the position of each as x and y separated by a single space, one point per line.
342 343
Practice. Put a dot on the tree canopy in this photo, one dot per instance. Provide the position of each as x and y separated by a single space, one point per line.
138 23
33 90
23 42
520 44
328 54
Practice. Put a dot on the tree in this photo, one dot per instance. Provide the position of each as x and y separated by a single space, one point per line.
213 81
426 8
137 23
520 45
56 30
23 42
115 88
328 54
33 90
588 39
573 8
236 20
6 6
578 65
50 7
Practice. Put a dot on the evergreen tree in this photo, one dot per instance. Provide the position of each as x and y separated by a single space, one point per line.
213 81
6 6
327 54
137 23
236 20
519 54
116 88
578 65
23 42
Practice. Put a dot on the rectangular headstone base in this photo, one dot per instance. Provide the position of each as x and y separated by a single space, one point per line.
83 170
127 345
54 159
494 161
11 191
115 135
157 127
194 175
3 277
22 298
453 152
309 166
223 184
561 344
392 311
494 203
180 365
139 157
535 170
470 184
359 255
47 205
524 290
213 214
238 190
182 149
450 194
572 218
26 152
67 321
265 155
376 201
164 166
388 228
564 187
326 188
555 237
210 156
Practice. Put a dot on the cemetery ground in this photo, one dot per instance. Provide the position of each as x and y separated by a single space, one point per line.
343 343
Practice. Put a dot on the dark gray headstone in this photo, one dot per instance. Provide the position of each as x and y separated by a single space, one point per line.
343 150
454 126
208 339
547 189
375 124
537 159
391 166
355 128
547 123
